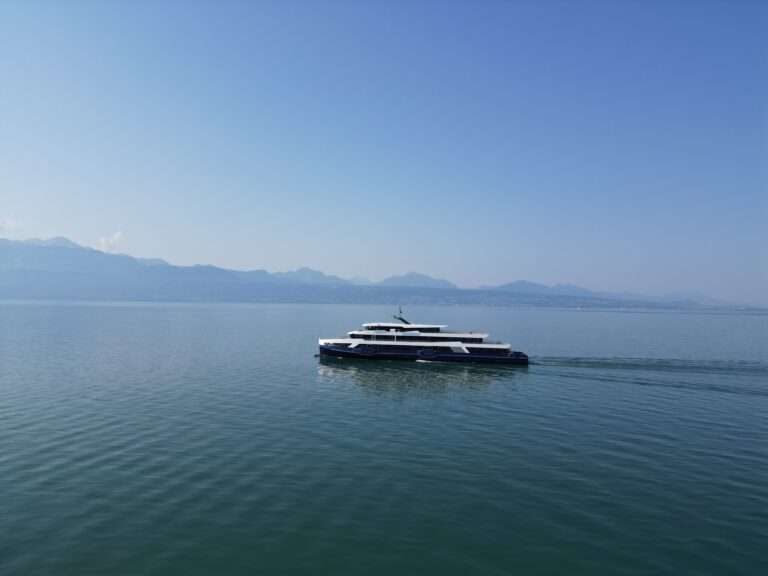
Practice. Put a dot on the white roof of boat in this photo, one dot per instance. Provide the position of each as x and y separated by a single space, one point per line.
425 334
401 325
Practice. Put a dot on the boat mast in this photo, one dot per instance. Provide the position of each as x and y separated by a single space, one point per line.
399 316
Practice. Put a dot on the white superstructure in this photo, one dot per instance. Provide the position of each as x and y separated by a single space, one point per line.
403 340
404 337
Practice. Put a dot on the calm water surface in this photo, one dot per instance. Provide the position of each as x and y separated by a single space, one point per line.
208 439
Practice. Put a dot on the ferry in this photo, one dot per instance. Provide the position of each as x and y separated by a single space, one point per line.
403 340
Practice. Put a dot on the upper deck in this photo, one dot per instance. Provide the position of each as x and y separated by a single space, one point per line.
403 327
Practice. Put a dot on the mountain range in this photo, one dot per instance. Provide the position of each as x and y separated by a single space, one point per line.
58 268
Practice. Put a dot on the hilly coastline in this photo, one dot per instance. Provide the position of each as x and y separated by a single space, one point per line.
61 269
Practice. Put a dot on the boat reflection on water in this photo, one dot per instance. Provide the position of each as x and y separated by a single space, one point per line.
390 377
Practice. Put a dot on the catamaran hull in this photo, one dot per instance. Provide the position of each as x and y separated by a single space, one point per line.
516 358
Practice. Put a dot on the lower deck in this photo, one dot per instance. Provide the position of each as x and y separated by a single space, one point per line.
429 353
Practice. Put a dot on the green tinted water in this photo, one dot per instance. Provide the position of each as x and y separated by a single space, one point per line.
185 439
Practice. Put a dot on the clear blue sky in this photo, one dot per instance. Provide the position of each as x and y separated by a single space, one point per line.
616 145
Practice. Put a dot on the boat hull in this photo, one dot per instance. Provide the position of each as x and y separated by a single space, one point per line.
514 358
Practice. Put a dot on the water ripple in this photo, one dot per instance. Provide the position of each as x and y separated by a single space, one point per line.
138 444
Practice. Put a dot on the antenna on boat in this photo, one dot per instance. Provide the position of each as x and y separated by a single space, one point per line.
399 316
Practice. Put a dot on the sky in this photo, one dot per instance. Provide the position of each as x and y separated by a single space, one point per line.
615 145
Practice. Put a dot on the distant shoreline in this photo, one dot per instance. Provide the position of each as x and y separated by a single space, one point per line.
58 269
521 306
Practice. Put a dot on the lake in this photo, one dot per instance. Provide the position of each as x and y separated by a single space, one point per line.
209 439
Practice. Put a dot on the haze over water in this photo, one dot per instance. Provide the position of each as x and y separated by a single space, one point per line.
200 439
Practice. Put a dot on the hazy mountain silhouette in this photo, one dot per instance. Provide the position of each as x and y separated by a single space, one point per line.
58 241
525 287
60 269
416 280
309 276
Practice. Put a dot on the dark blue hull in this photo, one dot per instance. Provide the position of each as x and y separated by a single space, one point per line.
516 358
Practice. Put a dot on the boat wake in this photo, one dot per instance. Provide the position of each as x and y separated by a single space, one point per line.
661 364
725 376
